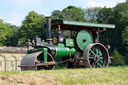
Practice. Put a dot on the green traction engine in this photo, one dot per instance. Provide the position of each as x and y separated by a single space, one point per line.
74 45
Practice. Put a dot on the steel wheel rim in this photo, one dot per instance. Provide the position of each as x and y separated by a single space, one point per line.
96 55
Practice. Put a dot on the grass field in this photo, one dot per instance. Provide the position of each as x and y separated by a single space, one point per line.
90 76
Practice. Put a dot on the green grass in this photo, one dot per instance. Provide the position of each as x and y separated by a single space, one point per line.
90 76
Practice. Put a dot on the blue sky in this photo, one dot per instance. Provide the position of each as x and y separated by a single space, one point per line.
14 11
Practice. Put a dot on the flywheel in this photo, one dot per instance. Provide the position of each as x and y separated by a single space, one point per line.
83 39
96 55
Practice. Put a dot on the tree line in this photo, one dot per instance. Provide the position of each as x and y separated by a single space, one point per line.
33 25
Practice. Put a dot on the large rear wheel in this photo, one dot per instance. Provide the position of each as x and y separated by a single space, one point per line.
96 55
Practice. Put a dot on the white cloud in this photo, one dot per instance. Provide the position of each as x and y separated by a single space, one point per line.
15 18
95 4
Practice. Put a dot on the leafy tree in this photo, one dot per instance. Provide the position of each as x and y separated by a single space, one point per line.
117 59
90 14
3 32
118 11
125 42
104 15
7 36
56 14
12 38
125 36
120 20
73 13
70 13
33 25
124 18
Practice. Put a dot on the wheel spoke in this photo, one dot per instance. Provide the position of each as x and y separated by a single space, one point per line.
97 51
101 58
91 57
101 61
99 65
92 52
100 53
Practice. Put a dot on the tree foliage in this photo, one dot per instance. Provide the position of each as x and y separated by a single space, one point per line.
12 38
56 14
117 58
73 13
125 36
90 14
33 25
70 13
120 20
104 15
3 32
7 32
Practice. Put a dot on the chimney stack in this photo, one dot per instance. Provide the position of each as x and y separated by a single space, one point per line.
48 27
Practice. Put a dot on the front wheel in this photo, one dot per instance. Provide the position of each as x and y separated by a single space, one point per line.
96 55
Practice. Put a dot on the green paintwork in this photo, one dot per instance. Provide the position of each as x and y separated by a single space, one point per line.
76 23
70 43
72 51
60 45
44 50
45 53
96 52
83 39
62 51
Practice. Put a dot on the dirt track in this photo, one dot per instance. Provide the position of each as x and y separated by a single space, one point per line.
27 80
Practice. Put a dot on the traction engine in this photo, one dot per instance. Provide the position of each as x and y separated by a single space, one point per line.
75 45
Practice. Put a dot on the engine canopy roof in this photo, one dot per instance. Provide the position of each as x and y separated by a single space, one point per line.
74 25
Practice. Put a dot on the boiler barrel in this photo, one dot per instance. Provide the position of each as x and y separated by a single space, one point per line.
62 52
